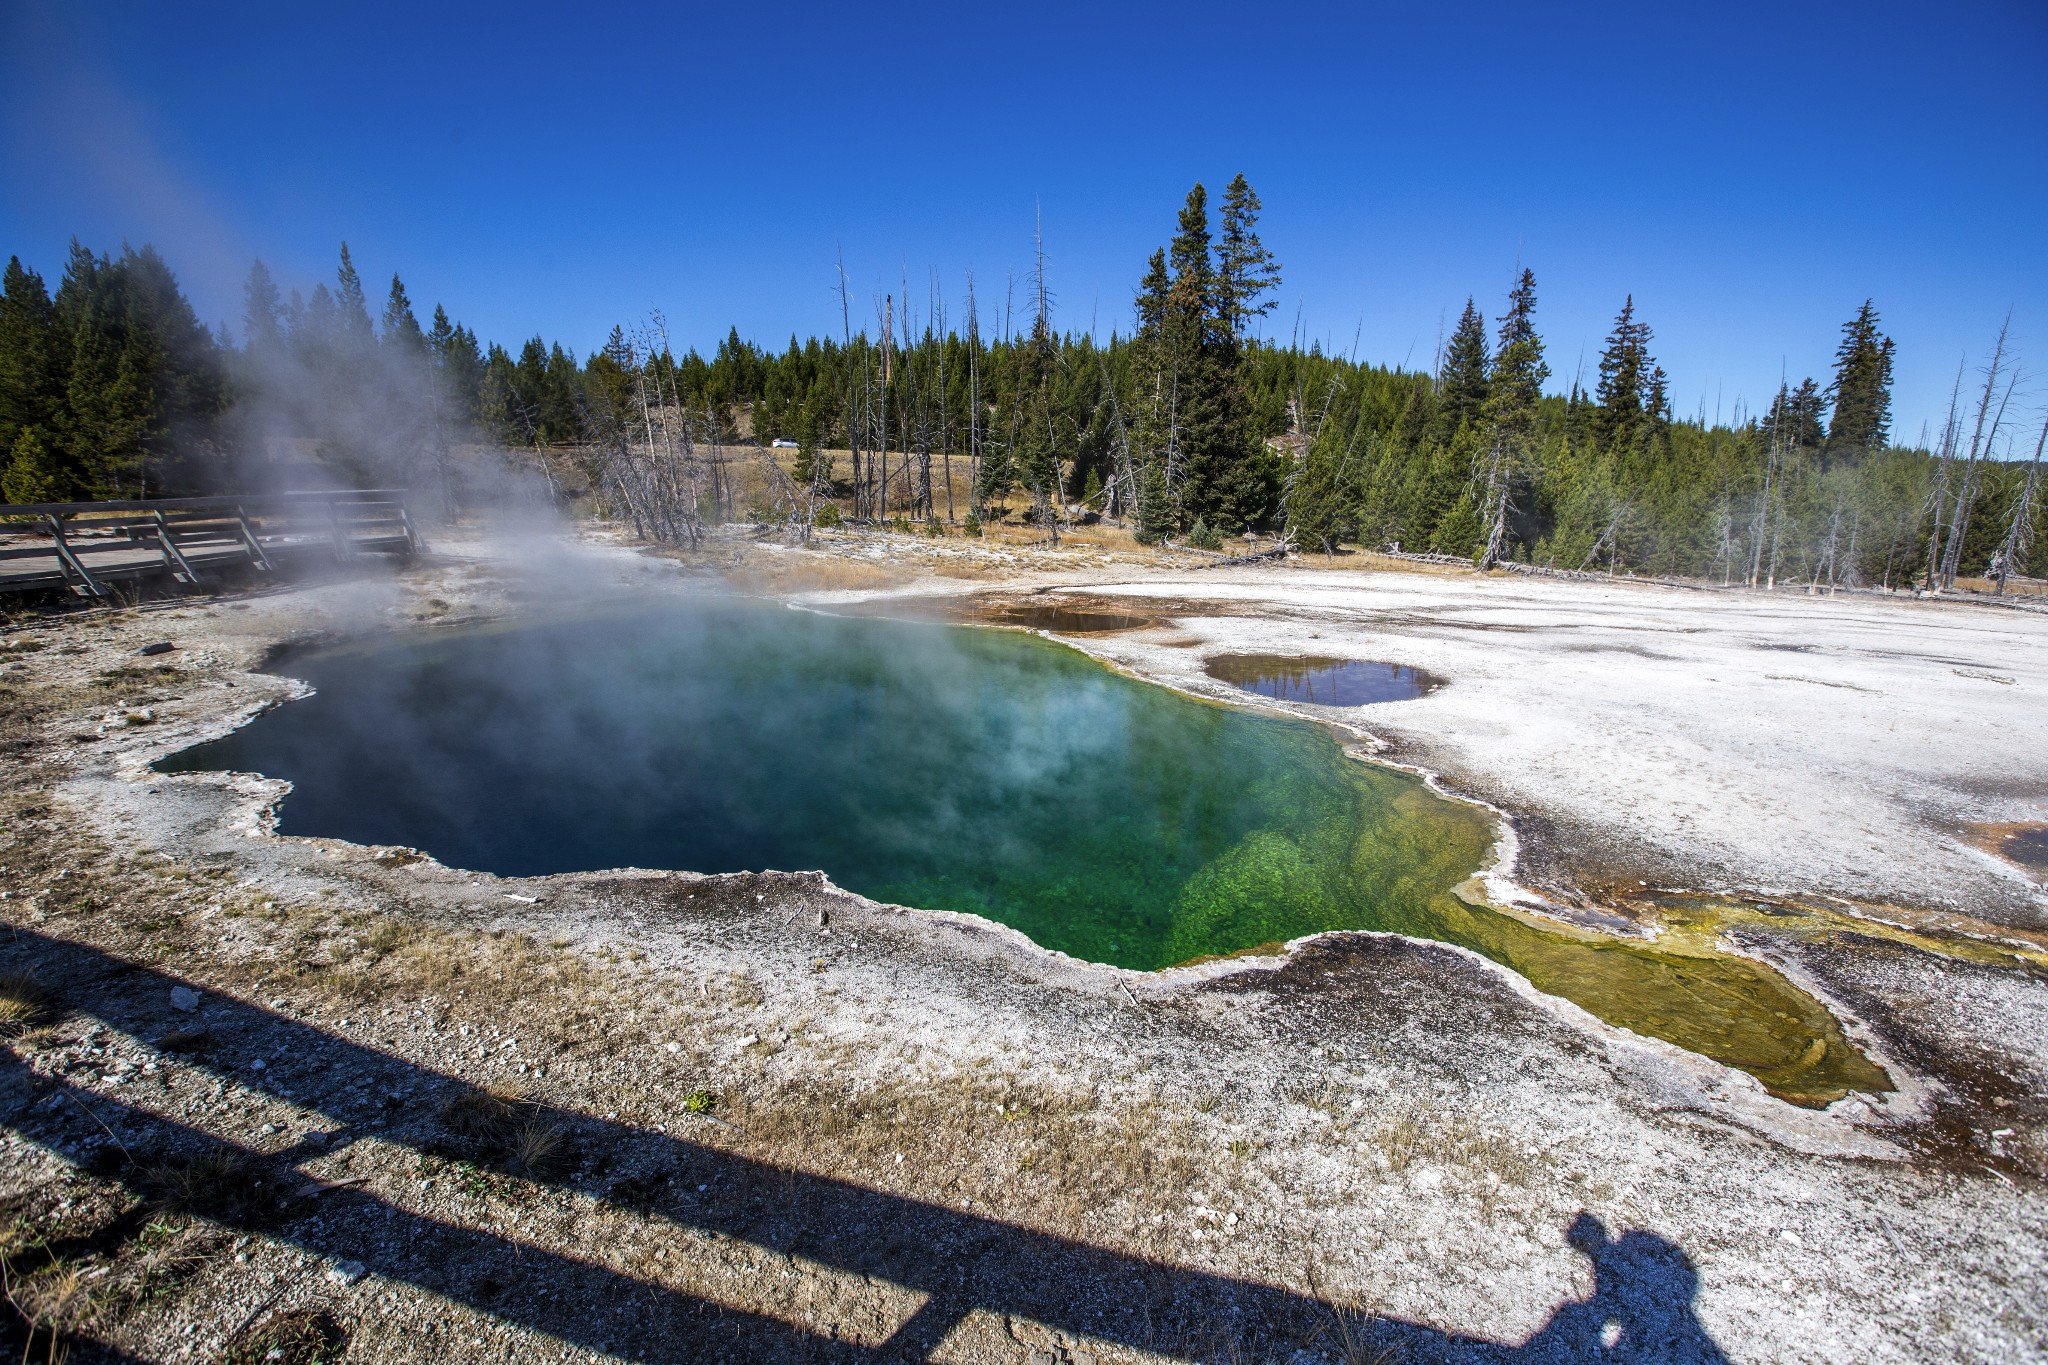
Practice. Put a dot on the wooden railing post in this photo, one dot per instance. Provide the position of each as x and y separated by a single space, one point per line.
174 558
69 562
249 541
413 543
343 551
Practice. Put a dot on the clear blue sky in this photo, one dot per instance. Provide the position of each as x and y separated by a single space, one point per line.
1750 172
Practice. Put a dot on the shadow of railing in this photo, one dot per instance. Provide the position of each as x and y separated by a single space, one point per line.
960 1262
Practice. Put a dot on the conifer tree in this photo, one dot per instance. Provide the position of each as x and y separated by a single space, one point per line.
31 363
262 312
1245 270
462 365
33 471
1461 379
402 329
351 309
1624 365
318 335
1794 418
1514 388
1220 478
107 411
1155 508
1861 389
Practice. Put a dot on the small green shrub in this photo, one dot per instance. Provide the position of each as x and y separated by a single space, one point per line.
1202 538
699 1101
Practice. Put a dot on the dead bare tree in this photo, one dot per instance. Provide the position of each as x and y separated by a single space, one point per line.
1828 554
2019 531
1944 456
1979 452
651 467
854 397
945 432
881 473
1760 525
974 412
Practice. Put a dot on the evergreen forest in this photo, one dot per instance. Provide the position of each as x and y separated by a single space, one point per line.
1187 424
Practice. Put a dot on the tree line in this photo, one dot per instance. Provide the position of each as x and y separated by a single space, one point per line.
1184 425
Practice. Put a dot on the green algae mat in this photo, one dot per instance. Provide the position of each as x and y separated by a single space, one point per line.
950 768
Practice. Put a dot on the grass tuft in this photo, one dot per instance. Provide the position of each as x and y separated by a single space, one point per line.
219 1184
301 1336
508 1128
24 1005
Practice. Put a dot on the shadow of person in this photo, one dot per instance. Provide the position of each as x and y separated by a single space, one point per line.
1641 1308
954 1263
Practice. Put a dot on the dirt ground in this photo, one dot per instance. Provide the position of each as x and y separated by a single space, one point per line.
277 1098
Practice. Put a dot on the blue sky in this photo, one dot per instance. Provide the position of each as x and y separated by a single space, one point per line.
1750 173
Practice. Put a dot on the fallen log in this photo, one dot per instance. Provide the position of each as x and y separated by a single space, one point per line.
1278 552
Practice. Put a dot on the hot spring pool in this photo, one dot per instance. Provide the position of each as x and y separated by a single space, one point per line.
948 768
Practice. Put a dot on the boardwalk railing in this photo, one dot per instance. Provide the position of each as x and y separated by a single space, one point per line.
84 546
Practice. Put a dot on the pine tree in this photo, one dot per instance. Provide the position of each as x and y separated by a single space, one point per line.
108 413
33 472
1794 419
262 312
1461 379
351 309
318 334
1155 508
1861 389
1514 388
1245 270
1624 365
401 329
31 363
462 365
1220 478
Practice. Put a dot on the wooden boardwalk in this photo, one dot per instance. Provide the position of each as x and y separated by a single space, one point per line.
86 547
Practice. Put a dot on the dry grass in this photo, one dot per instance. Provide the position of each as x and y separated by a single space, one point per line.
384 957
301 1336
24 1005
506 1127
52 1303
1371 561
2016 586
794 571
212 1184
130 681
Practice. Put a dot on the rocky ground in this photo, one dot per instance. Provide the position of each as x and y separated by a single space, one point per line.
270 1098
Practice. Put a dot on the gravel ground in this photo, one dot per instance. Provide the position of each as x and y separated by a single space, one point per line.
265 1093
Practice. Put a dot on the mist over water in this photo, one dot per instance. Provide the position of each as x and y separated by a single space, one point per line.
946 768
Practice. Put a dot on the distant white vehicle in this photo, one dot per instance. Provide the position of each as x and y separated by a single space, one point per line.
782 443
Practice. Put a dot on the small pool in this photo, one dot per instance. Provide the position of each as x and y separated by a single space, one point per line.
1323 682
2027 845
